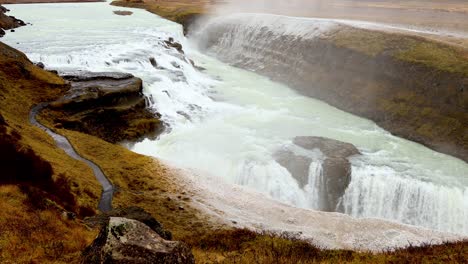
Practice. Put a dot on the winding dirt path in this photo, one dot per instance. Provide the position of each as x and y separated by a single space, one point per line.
105 202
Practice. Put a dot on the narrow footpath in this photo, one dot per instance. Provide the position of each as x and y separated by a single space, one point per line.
105 202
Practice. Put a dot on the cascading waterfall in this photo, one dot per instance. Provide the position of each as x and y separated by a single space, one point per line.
397 188
228 122
315 183
376 192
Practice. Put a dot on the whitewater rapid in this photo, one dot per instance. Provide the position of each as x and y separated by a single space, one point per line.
227 123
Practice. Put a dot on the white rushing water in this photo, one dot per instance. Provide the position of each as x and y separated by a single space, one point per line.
228 122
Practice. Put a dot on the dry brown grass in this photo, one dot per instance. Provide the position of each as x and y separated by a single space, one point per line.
244 246
37 236
31 228
145 182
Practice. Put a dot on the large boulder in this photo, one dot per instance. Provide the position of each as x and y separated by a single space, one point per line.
336 168
125 240
132 212
107 105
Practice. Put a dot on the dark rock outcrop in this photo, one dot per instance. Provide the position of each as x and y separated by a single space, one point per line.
176 45
107 105
297 165
8 22
336 169
133 212
125 240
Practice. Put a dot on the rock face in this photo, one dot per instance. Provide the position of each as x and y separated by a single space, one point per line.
8 22
107 105
129 241
336 169
133 212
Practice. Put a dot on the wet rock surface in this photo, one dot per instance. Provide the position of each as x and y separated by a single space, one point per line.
172 44
329 147
336 168
107 105
125 240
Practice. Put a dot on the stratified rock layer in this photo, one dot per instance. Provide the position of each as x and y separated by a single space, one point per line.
107 105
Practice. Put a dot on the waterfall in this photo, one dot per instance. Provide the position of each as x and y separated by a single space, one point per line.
380 192
315 185
406 187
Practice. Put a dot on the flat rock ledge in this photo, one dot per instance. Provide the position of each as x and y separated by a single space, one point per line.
109 105
125 241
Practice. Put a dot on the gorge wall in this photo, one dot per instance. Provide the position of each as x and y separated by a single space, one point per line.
413 87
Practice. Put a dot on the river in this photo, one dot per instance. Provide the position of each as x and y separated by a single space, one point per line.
227 122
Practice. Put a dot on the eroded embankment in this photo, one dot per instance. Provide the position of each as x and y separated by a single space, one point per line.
413 87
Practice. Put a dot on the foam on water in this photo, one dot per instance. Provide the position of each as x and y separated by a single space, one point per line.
228 123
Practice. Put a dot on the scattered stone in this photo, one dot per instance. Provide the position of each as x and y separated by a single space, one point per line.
123 13
40 65
175 64
154 62
172 44
125 240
